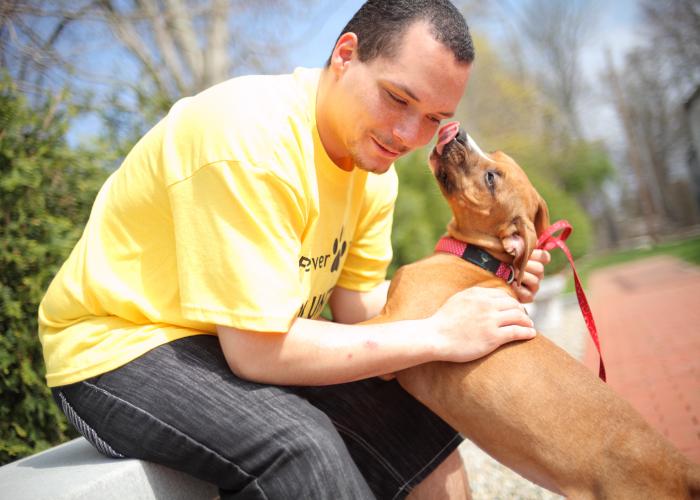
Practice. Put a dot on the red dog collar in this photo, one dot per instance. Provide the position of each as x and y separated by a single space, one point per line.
477 256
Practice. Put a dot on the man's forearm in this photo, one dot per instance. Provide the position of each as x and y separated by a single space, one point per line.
322 353
468 325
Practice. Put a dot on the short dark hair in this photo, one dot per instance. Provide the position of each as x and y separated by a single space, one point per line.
380 24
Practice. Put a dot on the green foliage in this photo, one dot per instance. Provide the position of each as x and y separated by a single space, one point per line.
46 191
564 206
503 110
421 212
583 167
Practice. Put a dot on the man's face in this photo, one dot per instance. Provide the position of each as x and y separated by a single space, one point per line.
394 105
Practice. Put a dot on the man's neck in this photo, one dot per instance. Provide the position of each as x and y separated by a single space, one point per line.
326 122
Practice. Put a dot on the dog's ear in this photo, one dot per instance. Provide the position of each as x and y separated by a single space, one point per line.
530 235
529 238
541 217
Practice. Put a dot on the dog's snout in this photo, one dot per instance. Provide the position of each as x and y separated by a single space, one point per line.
461 136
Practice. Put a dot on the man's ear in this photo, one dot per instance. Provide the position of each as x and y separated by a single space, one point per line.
344 51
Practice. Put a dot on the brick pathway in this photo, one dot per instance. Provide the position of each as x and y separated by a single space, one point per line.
648 317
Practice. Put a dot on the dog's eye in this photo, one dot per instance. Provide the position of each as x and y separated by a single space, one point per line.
490 178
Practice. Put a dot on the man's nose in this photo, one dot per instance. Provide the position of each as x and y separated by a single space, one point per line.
408 132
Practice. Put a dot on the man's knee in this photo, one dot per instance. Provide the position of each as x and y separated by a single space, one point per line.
449 480
310 455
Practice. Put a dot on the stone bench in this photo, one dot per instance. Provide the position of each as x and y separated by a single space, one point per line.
75 470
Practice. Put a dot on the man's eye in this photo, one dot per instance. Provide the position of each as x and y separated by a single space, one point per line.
396 98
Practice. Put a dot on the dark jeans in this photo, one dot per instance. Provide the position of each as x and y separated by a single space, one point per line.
181 406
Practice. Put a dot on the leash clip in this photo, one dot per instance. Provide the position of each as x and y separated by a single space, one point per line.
511 278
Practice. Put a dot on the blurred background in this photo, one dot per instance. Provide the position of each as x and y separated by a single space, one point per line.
599 100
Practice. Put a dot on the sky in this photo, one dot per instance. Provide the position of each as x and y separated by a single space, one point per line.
316 49
615 29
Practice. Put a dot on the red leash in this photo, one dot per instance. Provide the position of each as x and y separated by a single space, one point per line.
547 241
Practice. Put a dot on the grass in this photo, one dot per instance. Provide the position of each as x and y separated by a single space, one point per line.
687 250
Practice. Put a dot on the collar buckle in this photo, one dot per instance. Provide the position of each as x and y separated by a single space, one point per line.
511 278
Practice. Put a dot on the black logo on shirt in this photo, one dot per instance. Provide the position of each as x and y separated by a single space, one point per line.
313 307
339 248
307 264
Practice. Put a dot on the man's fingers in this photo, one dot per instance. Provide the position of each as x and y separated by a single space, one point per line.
535 268
524 294
517 332
488 292
514 317
497 298
542 256
508 303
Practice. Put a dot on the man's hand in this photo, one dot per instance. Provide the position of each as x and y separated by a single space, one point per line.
534 272
476 321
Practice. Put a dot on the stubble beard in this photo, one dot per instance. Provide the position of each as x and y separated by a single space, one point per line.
361 160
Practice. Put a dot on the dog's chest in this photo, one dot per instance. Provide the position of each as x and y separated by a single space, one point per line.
419 289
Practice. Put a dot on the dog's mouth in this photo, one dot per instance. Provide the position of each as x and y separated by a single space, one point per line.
449 156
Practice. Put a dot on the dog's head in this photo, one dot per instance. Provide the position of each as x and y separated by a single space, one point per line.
494 205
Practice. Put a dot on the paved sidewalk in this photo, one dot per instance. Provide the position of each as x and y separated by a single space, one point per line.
648 317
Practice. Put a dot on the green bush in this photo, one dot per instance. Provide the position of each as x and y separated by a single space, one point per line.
421 214
46 190
564 206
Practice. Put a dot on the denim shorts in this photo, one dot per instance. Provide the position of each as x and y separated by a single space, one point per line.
181 406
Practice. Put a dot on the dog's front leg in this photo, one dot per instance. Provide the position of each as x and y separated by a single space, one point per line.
540 412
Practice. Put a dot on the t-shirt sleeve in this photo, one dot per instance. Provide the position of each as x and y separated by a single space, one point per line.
370 252
237 238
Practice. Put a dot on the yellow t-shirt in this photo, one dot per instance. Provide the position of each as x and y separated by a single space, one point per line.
228 212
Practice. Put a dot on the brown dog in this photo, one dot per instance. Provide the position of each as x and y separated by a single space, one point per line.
528 404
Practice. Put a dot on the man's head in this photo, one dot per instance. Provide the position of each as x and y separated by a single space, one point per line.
380 24
388 84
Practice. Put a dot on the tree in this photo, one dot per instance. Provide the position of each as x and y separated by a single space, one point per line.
649 92
505 111
46 191
183 47
139 56
675 30
547 41
675 33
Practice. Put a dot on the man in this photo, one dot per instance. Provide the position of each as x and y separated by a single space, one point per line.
184 330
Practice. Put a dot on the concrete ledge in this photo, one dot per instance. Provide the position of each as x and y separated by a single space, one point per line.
75 470
547 310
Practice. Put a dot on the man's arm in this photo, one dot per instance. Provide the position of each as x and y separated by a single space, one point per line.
350 306
469 325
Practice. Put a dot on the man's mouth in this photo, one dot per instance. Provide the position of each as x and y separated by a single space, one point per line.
385 151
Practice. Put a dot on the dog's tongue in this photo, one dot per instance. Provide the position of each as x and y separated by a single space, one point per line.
446 133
